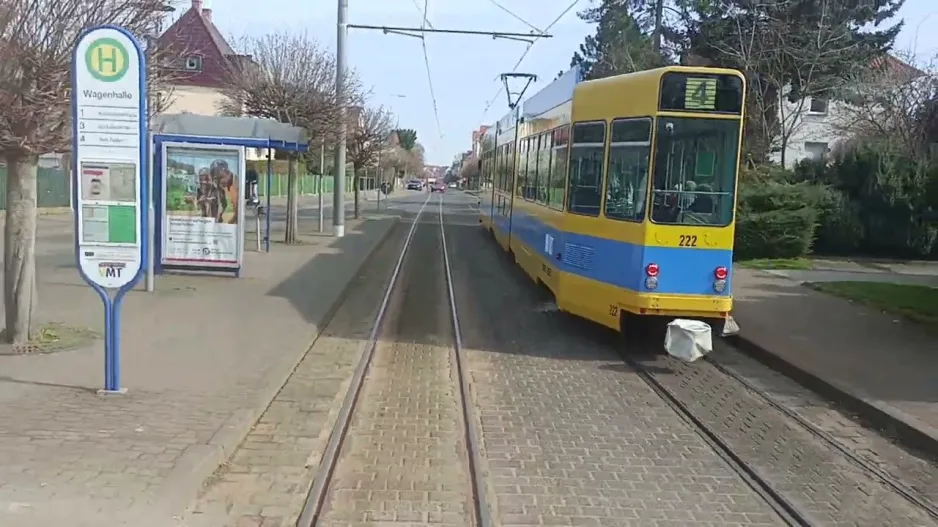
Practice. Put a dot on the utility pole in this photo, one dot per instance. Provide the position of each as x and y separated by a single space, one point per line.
322 168
338 191
341 65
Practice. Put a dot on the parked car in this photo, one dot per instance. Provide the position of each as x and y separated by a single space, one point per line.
415 184
438 187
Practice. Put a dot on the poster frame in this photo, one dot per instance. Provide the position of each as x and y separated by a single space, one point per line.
170 264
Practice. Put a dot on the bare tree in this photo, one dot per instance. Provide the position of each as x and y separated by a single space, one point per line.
37 38
367 140
892 104
289 78
785 68
470 171
408 162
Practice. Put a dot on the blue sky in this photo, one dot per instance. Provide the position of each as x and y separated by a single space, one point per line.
464 68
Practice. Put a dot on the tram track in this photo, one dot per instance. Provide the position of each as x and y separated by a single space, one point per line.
887 479
761 437
437 390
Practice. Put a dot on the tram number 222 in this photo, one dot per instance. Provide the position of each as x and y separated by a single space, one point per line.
687 240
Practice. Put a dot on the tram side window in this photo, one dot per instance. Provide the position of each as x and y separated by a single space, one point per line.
506 179
499 179
627 175
512 165
534 168
586 168
501 168
543 169
488 170
558 171
526 169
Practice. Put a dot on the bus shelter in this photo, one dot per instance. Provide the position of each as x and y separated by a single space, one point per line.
198 178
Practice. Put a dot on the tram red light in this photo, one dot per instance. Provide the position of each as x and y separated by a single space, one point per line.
652 269
720 273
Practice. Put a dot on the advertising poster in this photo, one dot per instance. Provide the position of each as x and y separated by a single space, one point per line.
201 202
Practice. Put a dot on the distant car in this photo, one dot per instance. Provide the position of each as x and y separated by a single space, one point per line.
453 185
414 184
438 187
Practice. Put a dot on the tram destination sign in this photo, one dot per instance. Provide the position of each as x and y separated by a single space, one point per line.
701 92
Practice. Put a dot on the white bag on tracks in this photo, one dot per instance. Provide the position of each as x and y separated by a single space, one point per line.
688 340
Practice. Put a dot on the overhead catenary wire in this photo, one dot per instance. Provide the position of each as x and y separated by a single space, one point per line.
516 17
524 55
426 60
423 12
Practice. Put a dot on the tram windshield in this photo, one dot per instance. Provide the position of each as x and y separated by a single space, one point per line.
696 161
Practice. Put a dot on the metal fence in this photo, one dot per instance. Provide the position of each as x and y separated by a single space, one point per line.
308 184
53 187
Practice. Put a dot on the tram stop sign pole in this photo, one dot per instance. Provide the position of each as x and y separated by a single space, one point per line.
110 187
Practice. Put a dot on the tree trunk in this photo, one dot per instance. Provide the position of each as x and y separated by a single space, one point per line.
19 248
357 183
293 208
783 156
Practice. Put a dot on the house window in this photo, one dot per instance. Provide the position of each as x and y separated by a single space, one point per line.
818 105
816 151
194 63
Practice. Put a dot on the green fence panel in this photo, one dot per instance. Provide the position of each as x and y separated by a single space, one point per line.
308 185
52 187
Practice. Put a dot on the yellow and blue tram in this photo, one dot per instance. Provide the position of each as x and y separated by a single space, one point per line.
619 194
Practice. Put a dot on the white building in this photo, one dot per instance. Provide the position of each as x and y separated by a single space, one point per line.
813 123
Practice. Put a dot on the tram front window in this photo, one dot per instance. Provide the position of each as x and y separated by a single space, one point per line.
695 171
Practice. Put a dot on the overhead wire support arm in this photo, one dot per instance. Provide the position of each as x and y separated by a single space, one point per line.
418 32
518 95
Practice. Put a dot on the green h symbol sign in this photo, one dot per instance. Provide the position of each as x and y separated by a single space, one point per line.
107 60
107 55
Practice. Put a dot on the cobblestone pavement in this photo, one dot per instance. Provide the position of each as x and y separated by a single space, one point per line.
911 468
71 458
265 482
817 479
571 437
404 460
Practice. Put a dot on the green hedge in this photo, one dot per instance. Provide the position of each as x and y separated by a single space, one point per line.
880 202
775 220
868 199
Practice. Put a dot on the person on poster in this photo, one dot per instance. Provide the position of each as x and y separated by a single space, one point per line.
207 195
202 205
223 179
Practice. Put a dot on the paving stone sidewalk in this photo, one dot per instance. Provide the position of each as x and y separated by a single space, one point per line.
875 359
202 358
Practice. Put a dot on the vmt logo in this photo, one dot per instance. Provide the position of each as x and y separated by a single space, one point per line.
107 60
107 270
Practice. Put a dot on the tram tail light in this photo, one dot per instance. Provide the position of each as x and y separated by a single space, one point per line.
651 278
720 274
